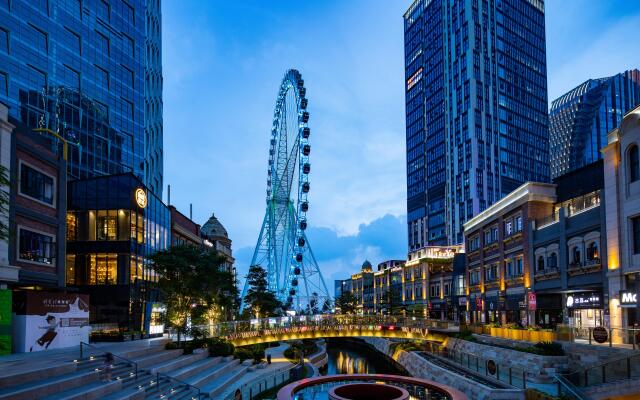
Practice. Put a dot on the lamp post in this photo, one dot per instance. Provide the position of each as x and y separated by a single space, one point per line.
65 143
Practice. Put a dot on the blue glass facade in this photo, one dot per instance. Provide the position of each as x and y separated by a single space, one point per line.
580 119
78 67
476 110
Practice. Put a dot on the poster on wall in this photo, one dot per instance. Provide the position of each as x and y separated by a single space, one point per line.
45 320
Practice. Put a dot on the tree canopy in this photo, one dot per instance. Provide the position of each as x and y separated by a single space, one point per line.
346 302
194 285
262 301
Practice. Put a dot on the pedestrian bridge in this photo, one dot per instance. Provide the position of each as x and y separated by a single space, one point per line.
264 330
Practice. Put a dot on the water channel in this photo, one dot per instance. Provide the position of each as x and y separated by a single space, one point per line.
352 357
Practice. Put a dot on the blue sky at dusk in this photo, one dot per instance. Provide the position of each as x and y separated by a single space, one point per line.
223 63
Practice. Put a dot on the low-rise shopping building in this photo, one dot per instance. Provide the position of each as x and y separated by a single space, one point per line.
37 207
215 236
428 282
362 288
114 224
498 253
568 253
622 207
387 287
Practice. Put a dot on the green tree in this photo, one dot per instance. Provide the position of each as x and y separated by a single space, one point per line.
326 306
346 302
262 301
194 285
312 307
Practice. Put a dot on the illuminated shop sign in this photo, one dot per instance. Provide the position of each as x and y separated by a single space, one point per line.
141 198
584 300
628 298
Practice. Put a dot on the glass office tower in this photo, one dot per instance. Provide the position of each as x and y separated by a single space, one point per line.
580 119
476 110
78 67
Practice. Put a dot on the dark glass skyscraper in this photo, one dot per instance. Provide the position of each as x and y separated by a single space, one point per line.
89 70
580 119
476 110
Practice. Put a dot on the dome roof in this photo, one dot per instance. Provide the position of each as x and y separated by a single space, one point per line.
213 227
366 265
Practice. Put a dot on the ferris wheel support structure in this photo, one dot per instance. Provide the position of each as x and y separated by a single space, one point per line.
283 248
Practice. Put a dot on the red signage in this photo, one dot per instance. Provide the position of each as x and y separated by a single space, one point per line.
531 300
478 304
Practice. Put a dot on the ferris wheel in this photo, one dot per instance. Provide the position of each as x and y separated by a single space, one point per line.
283 248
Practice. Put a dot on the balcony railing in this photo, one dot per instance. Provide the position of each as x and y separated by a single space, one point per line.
591 265
548 220
547 273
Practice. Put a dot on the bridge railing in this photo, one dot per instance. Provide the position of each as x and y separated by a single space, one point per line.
324 322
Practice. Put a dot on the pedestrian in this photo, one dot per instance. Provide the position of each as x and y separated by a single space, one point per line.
269 359
108 365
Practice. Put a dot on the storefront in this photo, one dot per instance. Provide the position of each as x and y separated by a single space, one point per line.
113 225
492 307
630 300
476 309
515 309
549 310
586 309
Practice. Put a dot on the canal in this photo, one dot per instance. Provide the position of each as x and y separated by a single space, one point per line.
353 356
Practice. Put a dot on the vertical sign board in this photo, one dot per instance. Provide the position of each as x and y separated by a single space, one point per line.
5 321
44 320
532 301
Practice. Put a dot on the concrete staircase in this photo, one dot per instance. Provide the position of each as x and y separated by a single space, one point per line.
142 373
85 379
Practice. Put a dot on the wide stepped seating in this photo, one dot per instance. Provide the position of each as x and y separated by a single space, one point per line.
161 373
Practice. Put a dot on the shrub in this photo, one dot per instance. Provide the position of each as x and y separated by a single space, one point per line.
242 354
190 346
292 354
465 334
309 347
257 353
219 347
550 348
171 346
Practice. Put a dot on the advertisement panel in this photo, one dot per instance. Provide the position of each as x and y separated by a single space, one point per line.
45 320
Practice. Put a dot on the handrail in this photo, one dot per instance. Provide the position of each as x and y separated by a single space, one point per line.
170 378
135 364
602 368
562 382
231 329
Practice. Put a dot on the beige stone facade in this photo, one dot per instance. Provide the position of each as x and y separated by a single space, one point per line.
622 202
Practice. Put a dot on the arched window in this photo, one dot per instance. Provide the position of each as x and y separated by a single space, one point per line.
540 263
634 164
553 260
576 255
592 251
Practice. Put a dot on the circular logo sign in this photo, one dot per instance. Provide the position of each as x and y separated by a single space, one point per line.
600 334
569 301
492 367
141 198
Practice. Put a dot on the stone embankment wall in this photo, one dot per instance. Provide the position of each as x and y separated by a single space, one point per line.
537 368
421 368
579 355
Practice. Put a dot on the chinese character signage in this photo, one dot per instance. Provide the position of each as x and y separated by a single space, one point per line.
584 300
532 301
